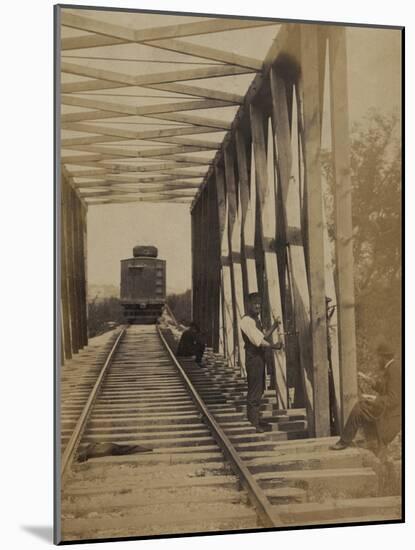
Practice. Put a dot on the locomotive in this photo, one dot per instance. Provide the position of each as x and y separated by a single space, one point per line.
143 285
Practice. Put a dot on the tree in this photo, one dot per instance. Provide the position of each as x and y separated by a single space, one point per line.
376 208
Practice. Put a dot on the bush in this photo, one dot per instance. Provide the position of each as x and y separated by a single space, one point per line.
103 313
181 306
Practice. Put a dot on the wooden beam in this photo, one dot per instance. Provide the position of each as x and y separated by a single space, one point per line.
343 216
225 269
117 178
87 115
144 153
65 300
265 176
89 140
152 78
206 144
124 200
287 144
198 92
140 134
206 52
87 173
88 41
144 110
198 121
90 85
119 168
234 235
74 159
162 190
316 263
128 34
186 159
247 200
83 23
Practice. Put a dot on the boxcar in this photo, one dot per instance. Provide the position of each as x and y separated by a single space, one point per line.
143 285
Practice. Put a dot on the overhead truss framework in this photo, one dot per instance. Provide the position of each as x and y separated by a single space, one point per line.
153 94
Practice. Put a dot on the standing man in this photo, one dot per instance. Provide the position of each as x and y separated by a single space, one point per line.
379 415
256 346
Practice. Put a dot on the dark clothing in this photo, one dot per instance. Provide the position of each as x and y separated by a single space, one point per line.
191 344
381 418
255 370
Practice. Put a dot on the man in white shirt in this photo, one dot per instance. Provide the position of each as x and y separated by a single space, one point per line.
256 345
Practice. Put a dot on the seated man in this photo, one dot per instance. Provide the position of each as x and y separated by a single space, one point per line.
378 415
191 343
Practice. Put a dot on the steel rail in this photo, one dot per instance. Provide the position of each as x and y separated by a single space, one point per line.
79 429
258 499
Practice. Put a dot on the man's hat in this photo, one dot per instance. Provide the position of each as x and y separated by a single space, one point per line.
383 348
254 296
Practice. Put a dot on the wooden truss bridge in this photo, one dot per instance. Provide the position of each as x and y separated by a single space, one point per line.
176 113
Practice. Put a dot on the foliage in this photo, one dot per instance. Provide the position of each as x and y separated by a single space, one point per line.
103 314
181 306
376 209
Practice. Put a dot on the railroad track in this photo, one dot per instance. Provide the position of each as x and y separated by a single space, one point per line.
208 469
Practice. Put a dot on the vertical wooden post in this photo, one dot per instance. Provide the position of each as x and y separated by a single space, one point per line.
196 283
227 308
71 272
234 228
65 306
79 275
288 164
194 259
84 213
83 289
247 195
203 262
343 216
214 290
265 174
311 106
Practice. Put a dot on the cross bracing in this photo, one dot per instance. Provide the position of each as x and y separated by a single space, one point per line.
153 95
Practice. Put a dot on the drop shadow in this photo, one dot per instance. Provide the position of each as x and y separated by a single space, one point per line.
43 532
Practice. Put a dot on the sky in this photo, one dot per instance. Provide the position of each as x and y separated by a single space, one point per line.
374 67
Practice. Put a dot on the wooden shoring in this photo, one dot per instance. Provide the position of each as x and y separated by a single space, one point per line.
234 233
343 217
196 265
265 184
286 140
85 239
204 260
71 271
82 272
210 264
78 262
65 301
247 201
315 227
226 285
215 296
193 222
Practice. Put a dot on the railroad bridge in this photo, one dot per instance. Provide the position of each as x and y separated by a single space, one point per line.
239 138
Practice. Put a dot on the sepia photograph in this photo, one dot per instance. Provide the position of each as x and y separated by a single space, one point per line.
228 309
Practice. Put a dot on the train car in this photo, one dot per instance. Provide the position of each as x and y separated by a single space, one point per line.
143 285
